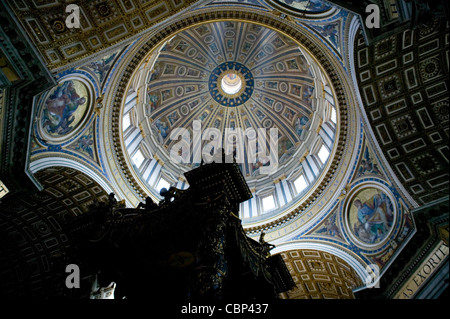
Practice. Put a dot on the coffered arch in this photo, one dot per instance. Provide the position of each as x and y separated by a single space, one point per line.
32 230
354 261
45 163
402 81
319 275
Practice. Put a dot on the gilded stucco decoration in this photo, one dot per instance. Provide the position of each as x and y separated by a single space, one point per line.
319 275
403 82
102 24
66 117
125 93
279 86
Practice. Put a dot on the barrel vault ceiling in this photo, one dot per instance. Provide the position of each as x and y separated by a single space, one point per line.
403 81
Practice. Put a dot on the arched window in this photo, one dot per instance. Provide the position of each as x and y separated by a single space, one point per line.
162 183
126 121
323 154
300 184
138 158
333 115
268 203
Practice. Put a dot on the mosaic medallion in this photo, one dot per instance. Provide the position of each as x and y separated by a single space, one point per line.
65 107
313 6
371 215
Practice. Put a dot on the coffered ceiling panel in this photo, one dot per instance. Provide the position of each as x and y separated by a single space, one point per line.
319 275
403 81
102 24
32 230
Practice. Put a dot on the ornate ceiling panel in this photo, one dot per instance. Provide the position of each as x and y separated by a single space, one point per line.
326 21
403 82
78 136
33 226
145 169
319 275
102 24
278 83
66 124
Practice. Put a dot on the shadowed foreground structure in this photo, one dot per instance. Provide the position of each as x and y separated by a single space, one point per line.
190 246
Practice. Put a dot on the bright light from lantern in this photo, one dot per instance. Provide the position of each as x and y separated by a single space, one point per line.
231 83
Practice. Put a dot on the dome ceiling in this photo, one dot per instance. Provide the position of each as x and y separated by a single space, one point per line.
235 76
277 90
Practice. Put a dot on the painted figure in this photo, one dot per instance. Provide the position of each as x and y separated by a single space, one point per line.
330 228
310 5
59 108
102 67
375 218
301 125
368 165
161 129
330 31
307 94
